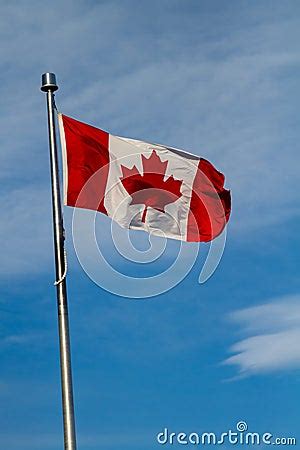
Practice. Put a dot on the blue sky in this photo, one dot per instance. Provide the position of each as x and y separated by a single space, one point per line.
219 79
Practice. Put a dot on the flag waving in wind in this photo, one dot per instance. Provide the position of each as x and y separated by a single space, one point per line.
142 186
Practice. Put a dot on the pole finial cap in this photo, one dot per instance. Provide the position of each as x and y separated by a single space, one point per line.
49 82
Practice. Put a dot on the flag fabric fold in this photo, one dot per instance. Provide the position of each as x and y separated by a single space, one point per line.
143 186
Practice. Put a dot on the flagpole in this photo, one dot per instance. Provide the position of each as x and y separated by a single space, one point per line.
49 86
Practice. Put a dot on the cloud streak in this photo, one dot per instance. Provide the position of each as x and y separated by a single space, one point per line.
220 95
272 334
25 229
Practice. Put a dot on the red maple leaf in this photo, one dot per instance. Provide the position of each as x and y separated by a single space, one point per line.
150 188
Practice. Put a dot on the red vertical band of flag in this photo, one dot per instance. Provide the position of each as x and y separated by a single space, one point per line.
86 152
210 204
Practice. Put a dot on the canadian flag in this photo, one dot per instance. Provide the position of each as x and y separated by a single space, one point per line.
143 186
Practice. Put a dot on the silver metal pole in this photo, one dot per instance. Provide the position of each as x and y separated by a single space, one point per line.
49 86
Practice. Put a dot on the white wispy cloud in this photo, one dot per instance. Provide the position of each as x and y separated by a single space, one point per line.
25 230
21 339
271 337
221 95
